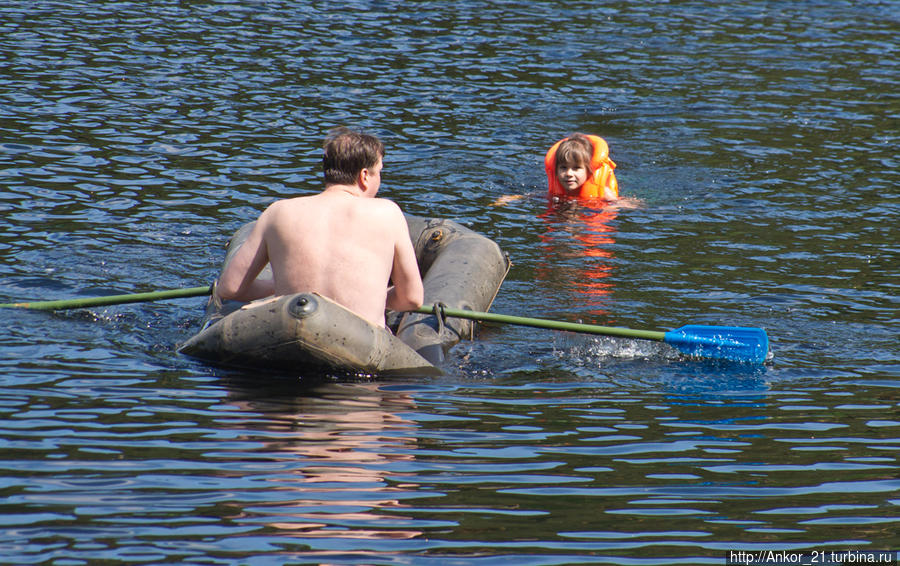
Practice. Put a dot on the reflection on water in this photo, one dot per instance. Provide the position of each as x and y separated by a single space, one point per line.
578 249
342 444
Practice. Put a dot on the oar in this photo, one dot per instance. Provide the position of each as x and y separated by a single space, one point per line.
735 343
112 299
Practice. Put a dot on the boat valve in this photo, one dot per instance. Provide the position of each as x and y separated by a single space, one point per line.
434 241
303 306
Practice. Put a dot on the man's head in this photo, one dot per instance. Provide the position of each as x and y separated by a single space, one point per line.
347 153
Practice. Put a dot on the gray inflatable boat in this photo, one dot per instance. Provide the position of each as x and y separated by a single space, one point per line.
460 269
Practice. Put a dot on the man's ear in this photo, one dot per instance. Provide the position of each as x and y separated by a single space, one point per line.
362 179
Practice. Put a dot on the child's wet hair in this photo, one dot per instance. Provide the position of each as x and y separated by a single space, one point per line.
575 150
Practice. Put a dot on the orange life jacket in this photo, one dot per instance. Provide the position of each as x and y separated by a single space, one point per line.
601 175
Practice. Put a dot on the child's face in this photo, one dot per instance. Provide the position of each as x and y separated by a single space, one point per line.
571 176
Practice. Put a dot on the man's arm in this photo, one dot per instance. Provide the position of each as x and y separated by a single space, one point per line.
238 281
407 293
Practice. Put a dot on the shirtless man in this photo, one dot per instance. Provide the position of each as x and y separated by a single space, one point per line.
342 243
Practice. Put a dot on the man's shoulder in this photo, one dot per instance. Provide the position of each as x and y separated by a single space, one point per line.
280 209
380 205
384 213
281 203
291 202
386 202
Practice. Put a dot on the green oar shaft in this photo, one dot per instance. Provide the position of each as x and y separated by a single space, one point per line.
726 342
545 323
112 299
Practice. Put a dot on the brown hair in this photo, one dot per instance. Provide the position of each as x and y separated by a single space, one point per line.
575 150
347 153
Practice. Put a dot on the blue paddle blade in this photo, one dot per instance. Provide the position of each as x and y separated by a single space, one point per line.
736 343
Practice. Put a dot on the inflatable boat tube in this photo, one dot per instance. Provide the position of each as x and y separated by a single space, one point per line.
460 269
304 330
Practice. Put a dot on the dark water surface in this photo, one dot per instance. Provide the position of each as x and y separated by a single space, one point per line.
761 138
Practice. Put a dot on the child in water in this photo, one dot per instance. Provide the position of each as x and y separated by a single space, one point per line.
579 171
578 167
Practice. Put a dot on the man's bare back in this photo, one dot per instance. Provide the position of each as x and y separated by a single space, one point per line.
342 243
